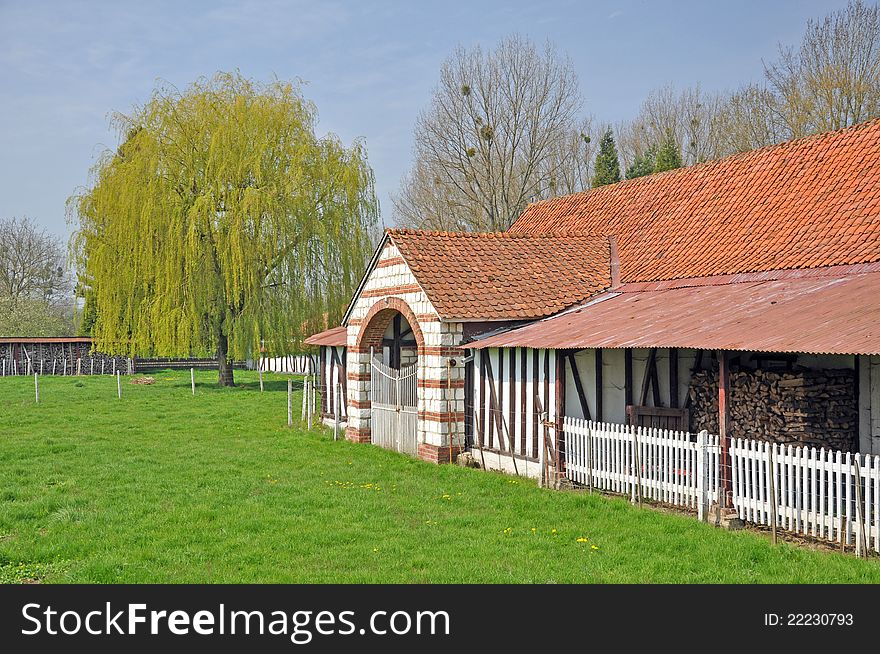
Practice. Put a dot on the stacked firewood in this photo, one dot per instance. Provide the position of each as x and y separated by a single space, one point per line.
811 407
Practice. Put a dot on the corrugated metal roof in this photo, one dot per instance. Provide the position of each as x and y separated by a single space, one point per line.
45 339
331 337
824 313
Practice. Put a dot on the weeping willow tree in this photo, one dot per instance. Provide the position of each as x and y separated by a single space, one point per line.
220 223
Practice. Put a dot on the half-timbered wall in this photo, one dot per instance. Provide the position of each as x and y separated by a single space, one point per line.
295 364
611 375
511 387
333 378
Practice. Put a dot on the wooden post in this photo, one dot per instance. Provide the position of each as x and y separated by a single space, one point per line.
103 361
861 543
91 366
773 501
724 428
55 361
578 387
590 459
559 394
303 413
78 366
598 385
627 377
703 476
310 400
36 389
192 380
261 376
290 403
118 385
637 461
337 391
673 378
542 455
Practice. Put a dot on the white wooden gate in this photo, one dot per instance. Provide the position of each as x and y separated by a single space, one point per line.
393 396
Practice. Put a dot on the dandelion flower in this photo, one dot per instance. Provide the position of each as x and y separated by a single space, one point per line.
583 540
595 547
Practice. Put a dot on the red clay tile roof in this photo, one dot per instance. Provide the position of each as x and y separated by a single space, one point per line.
502 276
334 336
802 204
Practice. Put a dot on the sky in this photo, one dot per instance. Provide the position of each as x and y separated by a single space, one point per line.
370 67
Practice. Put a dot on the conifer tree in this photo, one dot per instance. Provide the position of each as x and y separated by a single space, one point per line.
607 162
668 154
642 165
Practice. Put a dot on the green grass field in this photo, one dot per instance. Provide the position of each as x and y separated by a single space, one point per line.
165 487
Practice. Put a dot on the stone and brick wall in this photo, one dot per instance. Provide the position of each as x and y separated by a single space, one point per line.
810 407
391 288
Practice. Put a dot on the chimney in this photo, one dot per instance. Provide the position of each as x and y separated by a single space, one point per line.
615 262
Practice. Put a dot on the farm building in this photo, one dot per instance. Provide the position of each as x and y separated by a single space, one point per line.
331 365
740 296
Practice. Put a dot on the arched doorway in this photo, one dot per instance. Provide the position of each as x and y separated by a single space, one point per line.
392 340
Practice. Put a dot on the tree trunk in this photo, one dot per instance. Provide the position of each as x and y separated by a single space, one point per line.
224 365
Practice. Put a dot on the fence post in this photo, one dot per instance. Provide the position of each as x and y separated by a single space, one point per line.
542 454
261 377
861 543
192 379
703 476
36 389
289 402
311 401
336 400
637 462
118 385
589 440
303 416
774 502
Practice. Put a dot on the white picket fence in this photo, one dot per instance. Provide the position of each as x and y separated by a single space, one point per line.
816 490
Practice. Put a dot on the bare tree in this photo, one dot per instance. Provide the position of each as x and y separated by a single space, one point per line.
693 117
833 79
498 134
35 289
750 120
830 81
32 263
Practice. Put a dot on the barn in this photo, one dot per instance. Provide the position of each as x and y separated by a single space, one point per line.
739 296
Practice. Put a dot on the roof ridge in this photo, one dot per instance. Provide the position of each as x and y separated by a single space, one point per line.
396 231
712 162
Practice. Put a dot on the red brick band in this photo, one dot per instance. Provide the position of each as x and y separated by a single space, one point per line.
442 416
439 453
357 434
443 351
391 290
390 261
441 383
